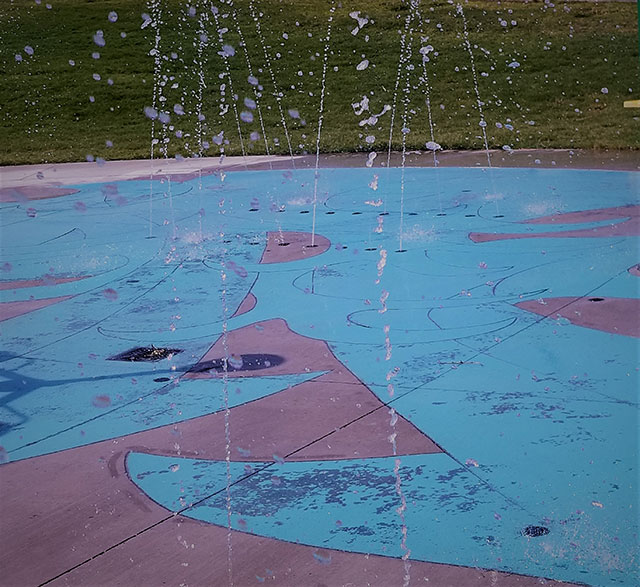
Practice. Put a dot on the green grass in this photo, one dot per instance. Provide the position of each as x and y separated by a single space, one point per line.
553 99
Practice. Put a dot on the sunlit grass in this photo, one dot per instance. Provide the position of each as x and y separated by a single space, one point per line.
546 76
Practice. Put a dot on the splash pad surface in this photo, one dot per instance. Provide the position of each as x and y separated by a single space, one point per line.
196 388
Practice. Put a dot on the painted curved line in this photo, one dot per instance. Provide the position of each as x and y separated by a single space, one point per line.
84 236
473 327
246 305
452 335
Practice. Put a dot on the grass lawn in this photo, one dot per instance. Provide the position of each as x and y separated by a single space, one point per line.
546 75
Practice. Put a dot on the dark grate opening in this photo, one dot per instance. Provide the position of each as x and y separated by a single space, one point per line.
145 353
596 299
535 531
248 362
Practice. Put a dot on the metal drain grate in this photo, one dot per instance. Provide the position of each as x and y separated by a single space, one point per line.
145 353
535 531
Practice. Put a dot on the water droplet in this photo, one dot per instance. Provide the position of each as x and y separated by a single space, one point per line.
98 39
227 51
113 16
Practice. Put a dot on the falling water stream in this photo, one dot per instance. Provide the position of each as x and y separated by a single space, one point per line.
156 20
276 92
320 120
479 102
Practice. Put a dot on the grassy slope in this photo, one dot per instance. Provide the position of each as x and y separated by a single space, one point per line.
567 54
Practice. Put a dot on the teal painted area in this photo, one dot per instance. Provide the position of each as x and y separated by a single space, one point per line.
74 417
353 506
539 418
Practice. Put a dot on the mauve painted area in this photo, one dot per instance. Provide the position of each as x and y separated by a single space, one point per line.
22 283
628 227
285 422
301 354
60 509
164 555
584 216
248 304
17 194
80 501
298 247
614 315
635 270
10 310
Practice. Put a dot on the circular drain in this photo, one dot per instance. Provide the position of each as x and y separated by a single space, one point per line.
535 531
596 299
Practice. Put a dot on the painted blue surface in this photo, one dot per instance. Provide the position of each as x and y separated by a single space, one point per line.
548 411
